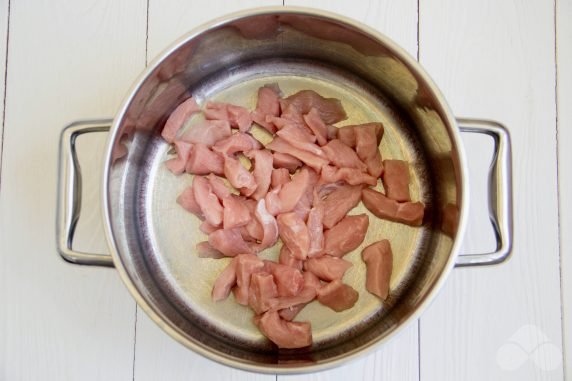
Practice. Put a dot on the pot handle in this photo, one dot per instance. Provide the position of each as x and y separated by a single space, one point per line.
500 192
69 194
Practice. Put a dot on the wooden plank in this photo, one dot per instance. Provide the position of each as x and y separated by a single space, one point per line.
495 59
4 9
564 98
399 359
157 356
67 61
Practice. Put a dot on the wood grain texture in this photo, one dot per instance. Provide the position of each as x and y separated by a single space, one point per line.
495 59
398 359
564 98
4 6
68 61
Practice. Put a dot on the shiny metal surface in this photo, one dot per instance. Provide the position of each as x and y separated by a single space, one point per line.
152 240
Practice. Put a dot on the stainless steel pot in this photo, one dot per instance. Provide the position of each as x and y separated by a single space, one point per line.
151 239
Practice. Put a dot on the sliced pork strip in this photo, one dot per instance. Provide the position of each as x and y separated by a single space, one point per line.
329 109
308 293
314 161
273 202
302 208
283 160
343 156
327 268
262 172
207 228
318 127
235 213
246 266
279 177
207 200
297 136
269 226
332 132
229 242
205 250
238 176
294 234
290 313
218 186
346 236
347 133
262 292
316 231
409 213
285 334
285 258
177 165
378 259
216 111
225 281
207 132
253 230
338 296
368 150
298 188
267 105
187 200
396 180
177 119
288 279
203 161
238 117
339 202
352 176
239 142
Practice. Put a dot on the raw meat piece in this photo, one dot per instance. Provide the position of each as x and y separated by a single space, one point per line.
273 203
267 105
207 228
235 213
253 231
238 176
178 117
207 200
262 292
351 176
410 213
306 295
225 281
288 279
346 236
229 242
290 313
314 161
207 132
294 191
279 177
329 109
337 296
339 202
218 186
343 156
287 259
238 142
316 231
283 160
378 259
294 234
204 161
237 116
367 149
301 139
332 132
311 284
285 334
318 127
246 265
269 226
205 250
262 171
327 268
177 165
187 200
396 180
347 134
305 202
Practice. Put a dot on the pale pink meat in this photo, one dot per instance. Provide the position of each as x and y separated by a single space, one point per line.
253 231
316 231
293 305
410 213
177 165
208 201
352 176
262 292
300 138
289 313
283 160
306 295
246 265
378 259
396 180
285 334
205 250
178 117
294 191
338 296
267 105
225 281
235 213
207 228
237 116
286 258
346 236
262 161
238 176
332 132
288 279
347 133
329 109
239 142
187 200
327 268
294 234
207 132
279 177
269 226
218 186
280 145
203 161
273 202
229 242
339 202
343 156
318 127
367 149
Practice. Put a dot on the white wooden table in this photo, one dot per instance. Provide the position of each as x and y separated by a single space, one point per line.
510 61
